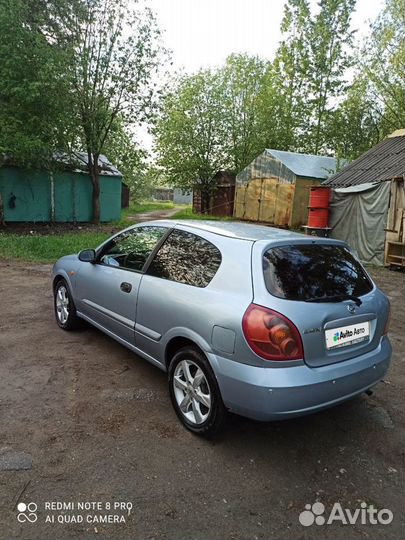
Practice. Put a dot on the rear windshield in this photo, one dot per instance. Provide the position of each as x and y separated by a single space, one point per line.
303 272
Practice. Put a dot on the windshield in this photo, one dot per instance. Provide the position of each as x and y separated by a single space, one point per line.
308 271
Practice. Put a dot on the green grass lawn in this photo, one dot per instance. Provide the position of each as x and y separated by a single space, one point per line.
44 248
148 206
187 213
47 248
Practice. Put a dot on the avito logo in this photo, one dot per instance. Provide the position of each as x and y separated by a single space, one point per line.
366 515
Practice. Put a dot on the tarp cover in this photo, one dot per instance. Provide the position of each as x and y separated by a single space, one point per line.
358 215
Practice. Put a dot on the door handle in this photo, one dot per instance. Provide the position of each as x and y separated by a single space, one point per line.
126 287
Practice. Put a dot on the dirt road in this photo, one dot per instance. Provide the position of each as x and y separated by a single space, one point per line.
84 420
156 214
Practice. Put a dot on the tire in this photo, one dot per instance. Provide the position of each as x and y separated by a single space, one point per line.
65 310
195 394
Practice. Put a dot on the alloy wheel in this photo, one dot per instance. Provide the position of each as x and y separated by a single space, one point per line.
62 304
192 392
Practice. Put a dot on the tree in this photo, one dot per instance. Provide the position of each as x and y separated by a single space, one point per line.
374 105
241 82
382 64
285 98
189 133
130 159
34 94
352 127
209 121
117 53
330 41
310 69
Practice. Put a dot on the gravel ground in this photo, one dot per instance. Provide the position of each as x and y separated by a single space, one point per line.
84 420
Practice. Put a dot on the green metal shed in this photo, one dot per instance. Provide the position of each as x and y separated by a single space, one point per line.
64 195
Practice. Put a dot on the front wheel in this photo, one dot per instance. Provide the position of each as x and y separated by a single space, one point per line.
65 310
194 392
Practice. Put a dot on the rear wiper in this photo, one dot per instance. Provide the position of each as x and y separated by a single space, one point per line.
336 298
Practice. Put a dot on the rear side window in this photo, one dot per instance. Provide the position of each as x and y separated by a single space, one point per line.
304 272
186 258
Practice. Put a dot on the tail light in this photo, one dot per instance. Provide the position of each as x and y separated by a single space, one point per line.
271 335
387 322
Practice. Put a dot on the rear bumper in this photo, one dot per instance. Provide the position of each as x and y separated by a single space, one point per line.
278 393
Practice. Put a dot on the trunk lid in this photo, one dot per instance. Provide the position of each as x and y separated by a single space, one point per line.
333 331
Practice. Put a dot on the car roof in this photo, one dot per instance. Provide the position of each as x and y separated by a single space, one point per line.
231 229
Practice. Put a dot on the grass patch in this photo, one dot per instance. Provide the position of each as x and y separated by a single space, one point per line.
44 248
187 213
47 248
148 206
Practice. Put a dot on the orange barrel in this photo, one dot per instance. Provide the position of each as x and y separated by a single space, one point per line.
319 197
318 218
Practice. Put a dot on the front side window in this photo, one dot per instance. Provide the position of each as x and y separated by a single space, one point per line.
186 258
132 248
305 272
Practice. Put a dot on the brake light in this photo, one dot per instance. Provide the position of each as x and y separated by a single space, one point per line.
271 335
387 322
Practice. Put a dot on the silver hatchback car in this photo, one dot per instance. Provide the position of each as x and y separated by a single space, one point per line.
263 322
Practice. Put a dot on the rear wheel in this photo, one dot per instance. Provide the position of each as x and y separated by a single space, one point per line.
194 392
65 310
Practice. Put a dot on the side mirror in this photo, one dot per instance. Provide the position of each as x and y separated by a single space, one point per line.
87 255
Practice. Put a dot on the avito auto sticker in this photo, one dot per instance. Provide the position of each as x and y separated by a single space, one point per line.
350 333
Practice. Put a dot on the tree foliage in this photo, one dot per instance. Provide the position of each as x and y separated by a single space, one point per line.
382 65
286 101
374 105
352 127
330 40
189 131
34 96
311 68
209 121
131 160
240 84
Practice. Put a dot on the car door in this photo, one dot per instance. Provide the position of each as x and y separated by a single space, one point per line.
108 289
173 293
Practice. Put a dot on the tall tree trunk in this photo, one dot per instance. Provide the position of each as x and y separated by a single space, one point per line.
95 180
320 113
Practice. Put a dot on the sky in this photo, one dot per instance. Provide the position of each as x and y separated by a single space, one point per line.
202 33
